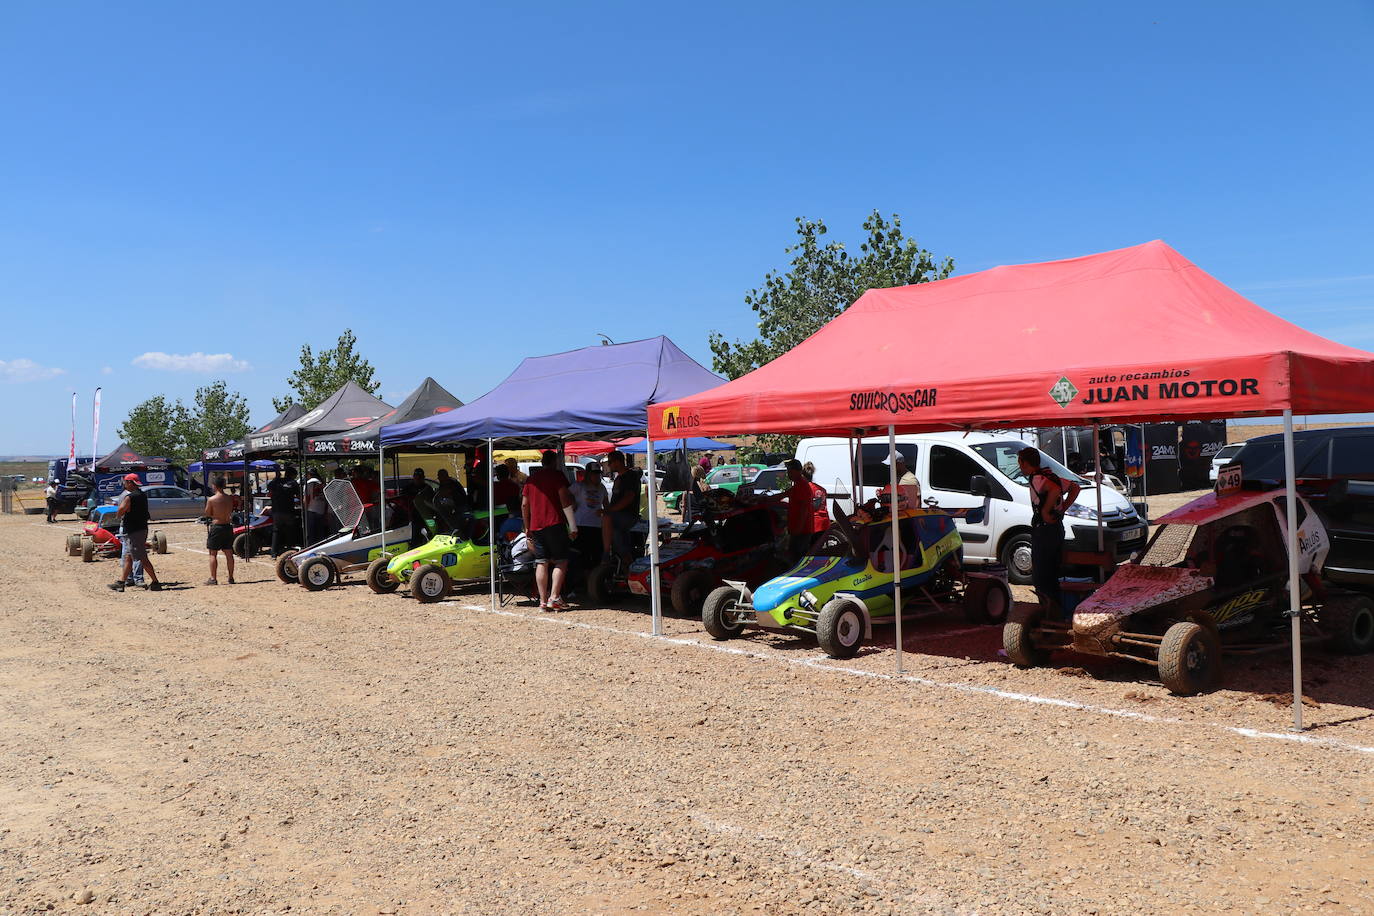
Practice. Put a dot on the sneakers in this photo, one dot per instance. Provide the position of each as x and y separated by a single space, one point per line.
155 587
116 586
557 604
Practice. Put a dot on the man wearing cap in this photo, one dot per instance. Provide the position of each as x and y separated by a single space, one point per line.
800 510
908 487
133 516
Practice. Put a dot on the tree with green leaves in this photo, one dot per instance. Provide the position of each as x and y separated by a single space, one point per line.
822 281
320 376
217 416
155 427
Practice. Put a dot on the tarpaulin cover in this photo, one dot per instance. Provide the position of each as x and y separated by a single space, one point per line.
428 400
124 458
595 391
233 451
346 408
1125 336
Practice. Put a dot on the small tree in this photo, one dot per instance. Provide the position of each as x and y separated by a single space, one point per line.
822 281
320 376
217 416
155 427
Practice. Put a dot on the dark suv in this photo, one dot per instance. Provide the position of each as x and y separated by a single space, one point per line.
1335 471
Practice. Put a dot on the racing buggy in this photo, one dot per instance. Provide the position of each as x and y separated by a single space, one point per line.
846 583
357 544
1213 581
97 540
430 570
729 539
254 536
613 577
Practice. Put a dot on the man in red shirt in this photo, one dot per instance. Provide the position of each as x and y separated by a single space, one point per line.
820 517
800 510
545 505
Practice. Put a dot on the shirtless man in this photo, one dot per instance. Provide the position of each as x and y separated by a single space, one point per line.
219 509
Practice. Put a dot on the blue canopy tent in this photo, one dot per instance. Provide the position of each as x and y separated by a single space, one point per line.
262 464
694 444
594 392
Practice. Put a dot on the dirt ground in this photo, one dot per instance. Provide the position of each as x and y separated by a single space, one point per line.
259 748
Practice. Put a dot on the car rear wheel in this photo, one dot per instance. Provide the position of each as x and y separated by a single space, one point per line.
690 590
286 567
73 545
159 542
87 550
599 580
1016 557
719 615
1018 640
430 583
1349 621
986 601
840 628
1189 659
317 573
244 546
378 579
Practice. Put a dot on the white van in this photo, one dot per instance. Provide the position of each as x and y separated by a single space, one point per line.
948 466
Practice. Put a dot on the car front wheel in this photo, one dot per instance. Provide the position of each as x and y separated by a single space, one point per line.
1016 557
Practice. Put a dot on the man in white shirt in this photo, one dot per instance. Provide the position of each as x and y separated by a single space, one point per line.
589 498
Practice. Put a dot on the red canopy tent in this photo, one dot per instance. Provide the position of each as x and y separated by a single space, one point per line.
1131 335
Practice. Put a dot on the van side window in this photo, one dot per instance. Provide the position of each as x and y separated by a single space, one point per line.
1352 456
951 469
877 474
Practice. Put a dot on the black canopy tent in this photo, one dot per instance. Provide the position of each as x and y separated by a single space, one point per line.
124 458
345 409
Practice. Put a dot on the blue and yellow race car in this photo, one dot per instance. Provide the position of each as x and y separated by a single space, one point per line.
846 583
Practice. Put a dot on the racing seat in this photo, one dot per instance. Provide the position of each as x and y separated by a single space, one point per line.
1236 557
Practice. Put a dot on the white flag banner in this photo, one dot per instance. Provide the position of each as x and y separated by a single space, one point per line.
95 429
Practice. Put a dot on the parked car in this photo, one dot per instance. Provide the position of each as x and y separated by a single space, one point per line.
722 477
768 482
946 464
173 503
1223 458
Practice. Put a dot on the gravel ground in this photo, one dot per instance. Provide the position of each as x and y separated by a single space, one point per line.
259 748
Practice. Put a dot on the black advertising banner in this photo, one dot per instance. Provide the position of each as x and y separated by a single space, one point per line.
1198 445
1161 458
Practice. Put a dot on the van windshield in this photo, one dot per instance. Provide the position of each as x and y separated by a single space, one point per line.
1002 455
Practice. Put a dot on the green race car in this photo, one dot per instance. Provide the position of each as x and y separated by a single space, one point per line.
431 569
724 477
845 585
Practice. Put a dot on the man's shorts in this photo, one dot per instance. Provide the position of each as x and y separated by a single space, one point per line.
551 544
220 537
138 544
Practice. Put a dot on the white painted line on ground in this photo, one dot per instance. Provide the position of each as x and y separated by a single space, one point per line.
980 689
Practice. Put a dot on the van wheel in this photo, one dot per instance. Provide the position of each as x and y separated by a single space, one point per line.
1349 620
378 579
1016 557
840 628
1189 659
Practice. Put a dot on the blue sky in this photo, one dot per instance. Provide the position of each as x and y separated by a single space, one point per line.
464 185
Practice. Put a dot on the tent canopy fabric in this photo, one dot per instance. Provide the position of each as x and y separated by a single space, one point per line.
428 400
233 451
346 408
124 458
594 391
200 467
1132 335
693 444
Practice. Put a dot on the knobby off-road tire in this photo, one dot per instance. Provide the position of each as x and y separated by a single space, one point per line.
87 550
286 567
1190 659
986 601
690 590
840 628
717 612
430 583
1349 620
317 574
1018 641
244 546
159 542
378 579
73 545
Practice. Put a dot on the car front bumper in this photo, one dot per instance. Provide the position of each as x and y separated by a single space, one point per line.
1121 542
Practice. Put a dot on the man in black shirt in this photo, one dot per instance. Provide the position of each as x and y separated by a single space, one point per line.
284 491
133 514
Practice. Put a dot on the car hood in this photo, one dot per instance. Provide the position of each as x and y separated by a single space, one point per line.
809 573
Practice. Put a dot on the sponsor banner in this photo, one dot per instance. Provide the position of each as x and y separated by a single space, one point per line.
341 446
1169 385
272 440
